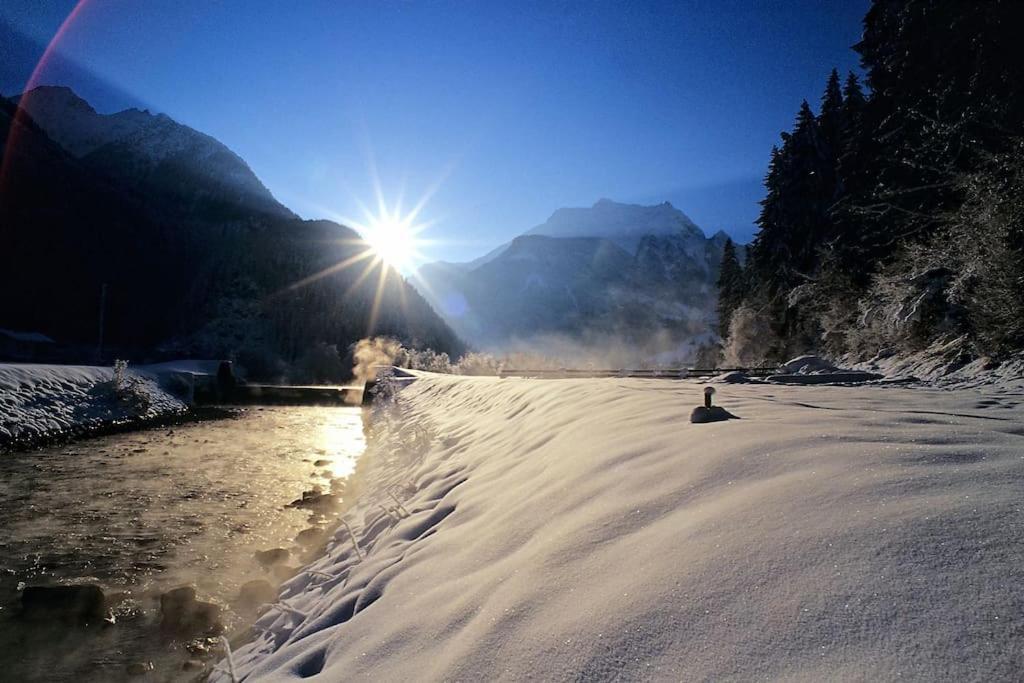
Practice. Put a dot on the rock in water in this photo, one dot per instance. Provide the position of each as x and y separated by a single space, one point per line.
256 593
182 613
139 668
269 558
311 536
85 603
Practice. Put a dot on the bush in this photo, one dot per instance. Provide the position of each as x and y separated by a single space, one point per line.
474 363
751 338
129 390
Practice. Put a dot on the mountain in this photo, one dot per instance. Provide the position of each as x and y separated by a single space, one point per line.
628 280
624 224
152 154
219 275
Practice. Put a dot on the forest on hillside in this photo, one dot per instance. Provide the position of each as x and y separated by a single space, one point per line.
894 216
112 262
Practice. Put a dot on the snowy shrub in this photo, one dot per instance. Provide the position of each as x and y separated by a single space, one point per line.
120 376
426 359
129 389
985 245
385 389
474 363
907 306
708 356
751 338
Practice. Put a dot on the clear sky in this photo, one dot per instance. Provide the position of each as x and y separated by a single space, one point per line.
501 112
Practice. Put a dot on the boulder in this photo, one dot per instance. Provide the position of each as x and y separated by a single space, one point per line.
255 593
183 613
316 501
83 603
139 668
310 536
268 558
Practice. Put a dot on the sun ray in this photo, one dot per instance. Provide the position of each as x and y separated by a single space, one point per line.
375 309
341 265
363 275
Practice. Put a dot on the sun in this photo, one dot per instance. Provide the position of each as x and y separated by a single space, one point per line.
393 239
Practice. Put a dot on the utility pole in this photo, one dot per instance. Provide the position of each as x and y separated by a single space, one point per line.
103 315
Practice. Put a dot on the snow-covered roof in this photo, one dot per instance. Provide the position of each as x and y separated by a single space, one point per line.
33 337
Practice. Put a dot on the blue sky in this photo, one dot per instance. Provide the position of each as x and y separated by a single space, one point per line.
500 112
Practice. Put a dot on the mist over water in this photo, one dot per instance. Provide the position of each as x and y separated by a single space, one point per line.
143 513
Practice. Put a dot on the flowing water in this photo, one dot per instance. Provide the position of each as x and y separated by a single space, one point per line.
145 512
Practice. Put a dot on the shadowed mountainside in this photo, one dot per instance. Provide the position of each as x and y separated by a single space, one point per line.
190 267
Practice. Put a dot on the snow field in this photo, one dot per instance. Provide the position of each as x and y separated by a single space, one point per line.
584 529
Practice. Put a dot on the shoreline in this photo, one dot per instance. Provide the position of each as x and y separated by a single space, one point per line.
136 423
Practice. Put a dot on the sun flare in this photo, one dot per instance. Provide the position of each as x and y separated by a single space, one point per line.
393 239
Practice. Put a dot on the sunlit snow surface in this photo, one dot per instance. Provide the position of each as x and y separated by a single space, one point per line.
584 529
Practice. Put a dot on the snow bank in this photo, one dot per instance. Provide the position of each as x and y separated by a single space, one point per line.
40 402
808 364
193 367
949 364
584 529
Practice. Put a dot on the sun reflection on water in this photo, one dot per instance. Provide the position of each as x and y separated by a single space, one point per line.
342 441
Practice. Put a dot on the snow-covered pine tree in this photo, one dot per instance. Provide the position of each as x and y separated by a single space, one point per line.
730 287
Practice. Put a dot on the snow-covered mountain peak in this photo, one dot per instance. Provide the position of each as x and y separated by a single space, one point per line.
141 145
621 223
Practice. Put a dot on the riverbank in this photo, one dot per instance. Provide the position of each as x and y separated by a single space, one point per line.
45 404
585 529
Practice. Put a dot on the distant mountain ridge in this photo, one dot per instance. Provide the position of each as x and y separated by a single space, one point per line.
624 224
150 152
622 275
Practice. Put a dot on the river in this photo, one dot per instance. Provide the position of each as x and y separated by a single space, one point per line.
145 512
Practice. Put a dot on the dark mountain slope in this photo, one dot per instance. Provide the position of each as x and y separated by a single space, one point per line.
153 155
180 277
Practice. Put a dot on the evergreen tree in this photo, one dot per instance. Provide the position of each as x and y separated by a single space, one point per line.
794 214
948 90
831 119
853 102
730 287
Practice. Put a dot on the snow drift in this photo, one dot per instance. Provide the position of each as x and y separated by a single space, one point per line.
584 529
39 402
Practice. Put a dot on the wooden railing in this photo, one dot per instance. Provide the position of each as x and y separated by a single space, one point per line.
659 373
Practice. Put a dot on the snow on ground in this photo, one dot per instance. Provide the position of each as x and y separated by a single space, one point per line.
949 364
38 402
585 530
